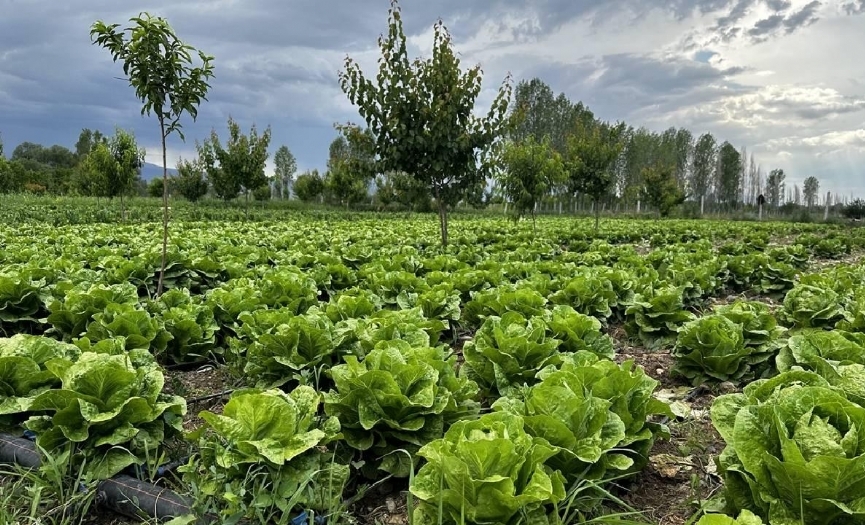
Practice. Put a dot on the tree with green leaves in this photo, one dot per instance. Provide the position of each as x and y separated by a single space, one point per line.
239 165
421 115
403 189
661 188
592 153
811 187
684 146
309 186
129 159
729 175
190 180
537 112
155 188
285 166
113 168
160 69
87 140
530 169
703 166
350 166
775 187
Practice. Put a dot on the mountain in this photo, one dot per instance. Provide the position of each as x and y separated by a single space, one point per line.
152 171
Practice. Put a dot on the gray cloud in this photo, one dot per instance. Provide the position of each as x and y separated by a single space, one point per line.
801 18
854 8
277 63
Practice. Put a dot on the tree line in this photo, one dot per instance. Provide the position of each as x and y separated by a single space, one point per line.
420 144
557 150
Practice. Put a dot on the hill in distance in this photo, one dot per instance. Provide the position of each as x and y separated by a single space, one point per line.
153 171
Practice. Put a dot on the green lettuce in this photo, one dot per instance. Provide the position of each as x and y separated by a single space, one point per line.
795 451
487 471
398 398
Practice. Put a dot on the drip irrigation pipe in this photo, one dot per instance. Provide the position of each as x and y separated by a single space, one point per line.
123 494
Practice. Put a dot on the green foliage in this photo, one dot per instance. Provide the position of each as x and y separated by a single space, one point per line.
810 188
775 187
713 348
530 170
292 350
155 188
808 306
838 356
578 332
24 372
189 322
420 114
661 189
537 113
729 175
350 166
591 152
279 437
190 180
400 397
285 165
397 187
487 471
262 193
746 517
309 186
109 412
21 302
703 165
854 210
794 451
595 412
160 69
508 351
237 166
657 315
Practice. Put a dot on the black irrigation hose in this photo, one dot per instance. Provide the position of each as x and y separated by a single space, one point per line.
123 494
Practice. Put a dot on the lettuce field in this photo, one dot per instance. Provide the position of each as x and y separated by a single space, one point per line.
324 367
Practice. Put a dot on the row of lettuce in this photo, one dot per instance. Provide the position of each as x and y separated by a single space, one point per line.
353 363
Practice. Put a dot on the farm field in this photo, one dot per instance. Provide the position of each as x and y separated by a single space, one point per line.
345 366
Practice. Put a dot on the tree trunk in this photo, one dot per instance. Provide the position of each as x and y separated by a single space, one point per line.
443 223
534 225
164 210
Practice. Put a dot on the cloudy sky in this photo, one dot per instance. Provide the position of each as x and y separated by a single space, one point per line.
784 78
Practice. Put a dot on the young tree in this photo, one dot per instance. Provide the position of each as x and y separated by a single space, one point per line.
661 188
113 168
129 160
96 171
350 166
190 181
530 170
589 161
810 189
160 69
308 186
239 165
87 140
421 115
285 166
156 187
